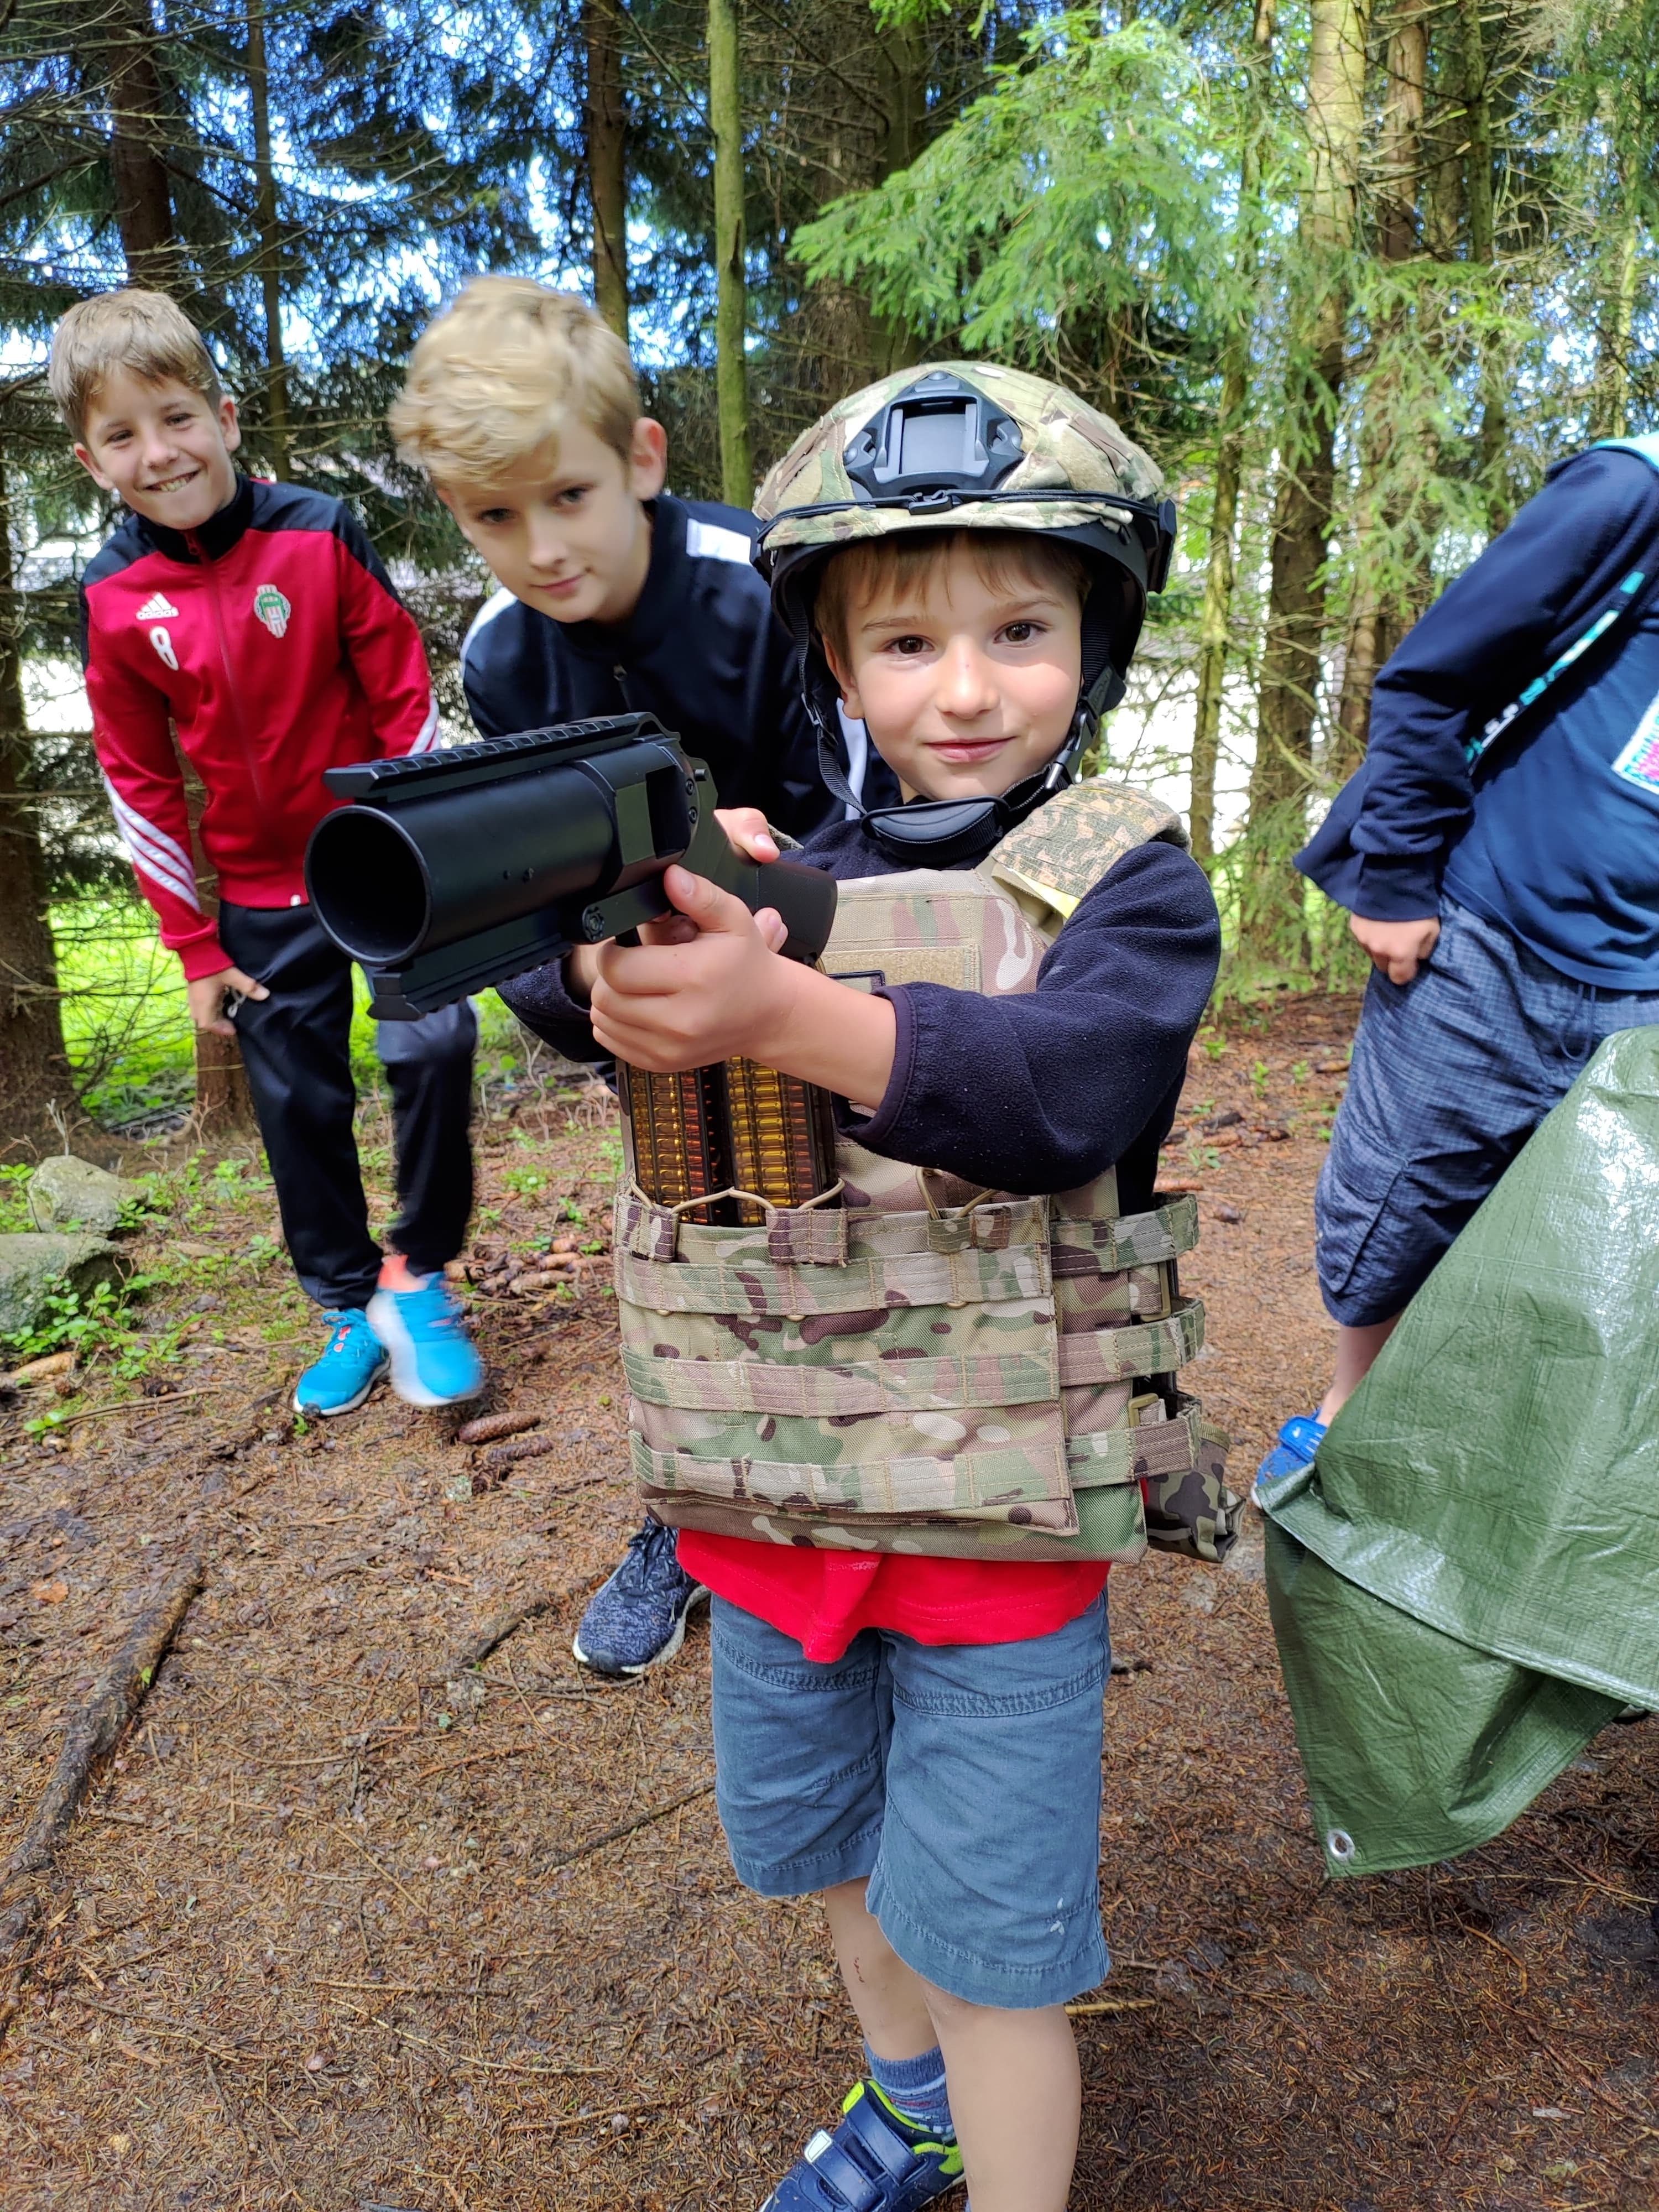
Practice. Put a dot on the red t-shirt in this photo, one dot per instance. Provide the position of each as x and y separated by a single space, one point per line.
823 1599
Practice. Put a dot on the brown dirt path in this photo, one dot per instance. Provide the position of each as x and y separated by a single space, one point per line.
340 1929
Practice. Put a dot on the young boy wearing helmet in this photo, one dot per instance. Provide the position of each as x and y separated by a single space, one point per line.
907 1676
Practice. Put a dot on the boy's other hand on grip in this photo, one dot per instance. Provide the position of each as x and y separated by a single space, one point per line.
1397 949
747 828
206 995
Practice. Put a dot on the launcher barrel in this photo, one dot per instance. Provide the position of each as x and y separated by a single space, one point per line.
455 870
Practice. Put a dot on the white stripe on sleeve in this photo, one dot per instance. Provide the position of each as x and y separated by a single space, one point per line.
427 737
715 543
153 852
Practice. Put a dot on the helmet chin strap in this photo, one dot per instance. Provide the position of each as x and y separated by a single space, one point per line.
976 824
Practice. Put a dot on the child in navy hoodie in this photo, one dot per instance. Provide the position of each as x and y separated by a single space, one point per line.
1499 855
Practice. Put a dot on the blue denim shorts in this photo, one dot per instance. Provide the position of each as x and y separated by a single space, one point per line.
1452 1074
962 1780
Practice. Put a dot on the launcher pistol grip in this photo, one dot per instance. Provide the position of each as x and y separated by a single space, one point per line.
804 897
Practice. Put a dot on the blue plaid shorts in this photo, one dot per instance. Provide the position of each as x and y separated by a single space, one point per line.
1452 1074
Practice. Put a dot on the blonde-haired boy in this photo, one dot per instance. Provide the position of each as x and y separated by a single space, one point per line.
523 409
252 622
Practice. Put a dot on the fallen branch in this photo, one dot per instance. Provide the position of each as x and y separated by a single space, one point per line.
385 1873
94 1731
596 2118
101 1723
140 1405
460 2058
627 1827
475 1759
496 1631
167 2031
1112 2004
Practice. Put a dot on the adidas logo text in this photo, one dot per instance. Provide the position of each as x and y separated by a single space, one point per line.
157 608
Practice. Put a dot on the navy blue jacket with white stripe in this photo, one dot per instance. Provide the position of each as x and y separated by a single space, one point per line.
702 650
1564 560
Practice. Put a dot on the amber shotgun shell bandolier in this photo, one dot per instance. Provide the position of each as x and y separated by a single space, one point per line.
827 1347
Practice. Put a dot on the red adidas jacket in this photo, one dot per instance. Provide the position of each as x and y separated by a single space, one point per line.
273 644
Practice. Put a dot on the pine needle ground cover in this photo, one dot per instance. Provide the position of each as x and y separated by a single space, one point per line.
382 1903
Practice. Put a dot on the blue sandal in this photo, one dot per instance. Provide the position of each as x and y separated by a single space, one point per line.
874 2162
1298 1440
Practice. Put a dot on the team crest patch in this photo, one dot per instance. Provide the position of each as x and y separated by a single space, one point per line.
1639 762
157 608
272 609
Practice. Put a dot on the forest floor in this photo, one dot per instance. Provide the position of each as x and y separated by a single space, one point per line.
351 1926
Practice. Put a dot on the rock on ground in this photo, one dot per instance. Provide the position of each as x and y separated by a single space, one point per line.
32 1266
66 1193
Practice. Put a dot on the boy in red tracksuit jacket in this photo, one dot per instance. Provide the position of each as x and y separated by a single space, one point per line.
251 627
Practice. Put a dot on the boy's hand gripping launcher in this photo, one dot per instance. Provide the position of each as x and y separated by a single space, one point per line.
459 869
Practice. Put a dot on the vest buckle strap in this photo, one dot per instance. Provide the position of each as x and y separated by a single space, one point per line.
647 1230
1098 1356
811 1237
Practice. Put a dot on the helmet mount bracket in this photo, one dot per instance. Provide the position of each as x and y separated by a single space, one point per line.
937 437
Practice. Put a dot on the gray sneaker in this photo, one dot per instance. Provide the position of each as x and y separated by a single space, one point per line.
636 1620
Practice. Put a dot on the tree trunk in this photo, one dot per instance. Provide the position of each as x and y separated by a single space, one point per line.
1477 186
34 1070
1218 575
604 127
1216 619
1610 392
1406 68
223 1113
1377 621
893 345
270 279
224 1107
731 317
117 50
1271 926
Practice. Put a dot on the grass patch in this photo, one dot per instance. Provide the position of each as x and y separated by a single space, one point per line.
126 1021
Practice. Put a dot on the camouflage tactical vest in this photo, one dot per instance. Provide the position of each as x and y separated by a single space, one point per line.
927 1367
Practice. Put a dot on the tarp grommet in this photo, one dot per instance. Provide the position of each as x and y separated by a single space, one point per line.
1339 1845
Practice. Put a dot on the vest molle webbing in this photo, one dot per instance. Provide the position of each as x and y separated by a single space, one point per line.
924 1367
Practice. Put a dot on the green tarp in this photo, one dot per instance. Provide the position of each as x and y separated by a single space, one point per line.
1465 1585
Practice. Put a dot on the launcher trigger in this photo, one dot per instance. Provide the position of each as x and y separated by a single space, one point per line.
621 915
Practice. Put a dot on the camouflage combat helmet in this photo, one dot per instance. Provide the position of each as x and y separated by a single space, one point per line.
969 447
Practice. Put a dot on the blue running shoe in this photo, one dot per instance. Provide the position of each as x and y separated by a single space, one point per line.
351 1365
875 2161
434 1361
1298 1440
636 1620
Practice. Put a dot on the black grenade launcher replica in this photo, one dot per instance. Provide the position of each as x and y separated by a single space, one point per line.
455 870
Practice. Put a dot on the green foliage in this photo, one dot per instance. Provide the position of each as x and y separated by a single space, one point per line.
1110 196
1070 219
14 1215
85 1322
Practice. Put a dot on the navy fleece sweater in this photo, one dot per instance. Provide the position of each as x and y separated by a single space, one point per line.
1038 1092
